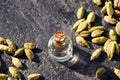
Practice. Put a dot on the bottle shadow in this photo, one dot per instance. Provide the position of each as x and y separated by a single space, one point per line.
84 65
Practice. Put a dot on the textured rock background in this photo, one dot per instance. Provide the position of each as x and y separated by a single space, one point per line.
35 21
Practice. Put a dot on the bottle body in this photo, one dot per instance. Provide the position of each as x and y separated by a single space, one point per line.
60 54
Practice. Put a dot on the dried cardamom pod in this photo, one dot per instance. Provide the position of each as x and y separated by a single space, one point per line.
3 76
97 33
100 72
9 78
117 13
99 40
34 76
96 54
15 73
96 28
91 17
11 45
80 13
112 35
110 20
117 4
29 45
83 25
2 40
117 72
106 44
97 2
83 34
109 8
17 62
117 28
29 54
4 48
103 10
117 50
19 52
110 50
77 23
89 26
81 41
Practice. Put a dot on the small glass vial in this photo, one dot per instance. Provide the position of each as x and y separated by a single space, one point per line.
60 48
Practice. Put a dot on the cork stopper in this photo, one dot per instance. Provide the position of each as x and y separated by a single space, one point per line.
59 39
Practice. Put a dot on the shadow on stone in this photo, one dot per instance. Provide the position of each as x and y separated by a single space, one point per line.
36 51
84 65
4 67
109 75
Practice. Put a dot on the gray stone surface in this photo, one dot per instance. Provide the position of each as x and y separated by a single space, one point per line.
35 21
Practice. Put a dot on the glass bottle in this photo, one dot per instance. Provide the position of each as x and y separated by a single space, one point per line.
60 49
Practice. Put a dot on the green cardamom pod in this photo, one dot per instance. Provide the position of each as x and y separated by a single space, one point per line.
97 33
81 41
80 13
15 73
100 72
29 54
19 52
17 62
29 45
91 17
117 28
96 54
117 72
34 76
112 35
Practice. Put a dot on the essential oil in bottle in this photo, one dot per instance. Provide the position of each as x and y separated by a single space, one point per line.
60 49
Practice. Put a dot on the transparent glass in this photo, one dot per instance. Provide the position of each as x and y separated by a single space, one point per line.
60 54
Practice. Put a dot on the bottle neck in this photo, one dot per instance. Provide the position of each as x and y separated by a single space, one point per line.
59 39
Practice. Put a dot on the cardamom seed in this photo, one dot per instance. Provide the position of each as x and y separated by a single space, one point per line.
96 28
29 54
110 20
117 72
19 52
9 78
112 35
80 13
100 72
97 33
117 28
91 17
96 54
34 76
103 10
83 25
109 8
81 41
97 2
3 76
77 23
83 34
15 73
17 62
29 45
99 40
